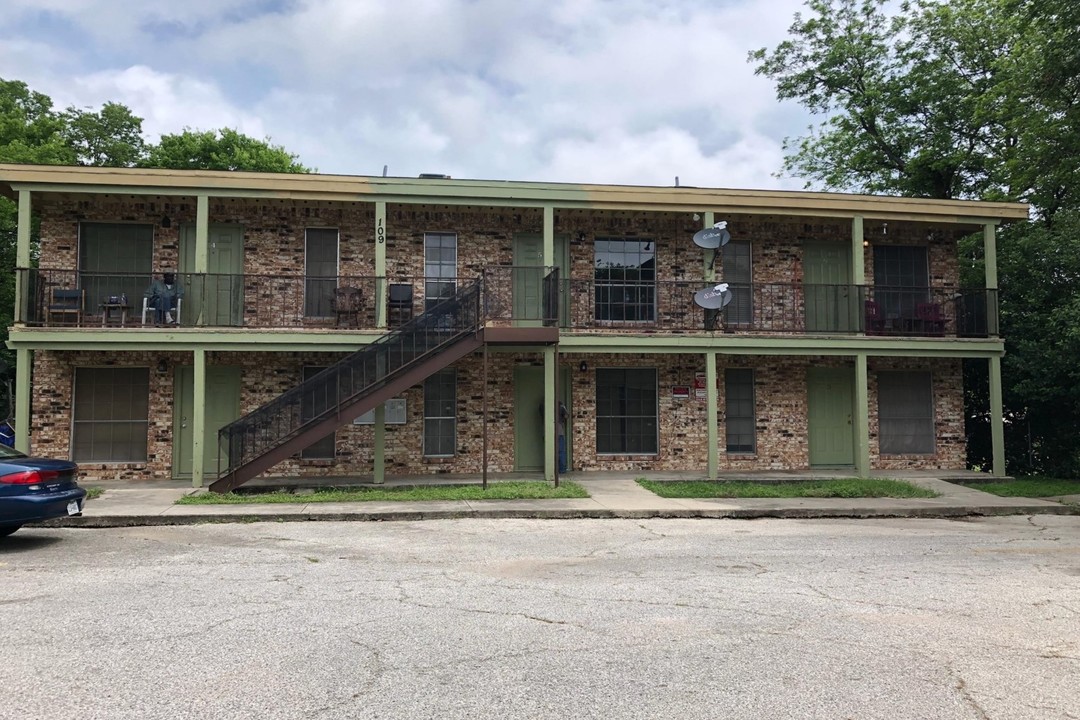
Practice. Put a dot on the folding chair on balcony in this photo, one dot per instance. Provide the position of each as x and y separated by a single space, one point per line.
401 304
929 317
153 313
66 304
347 304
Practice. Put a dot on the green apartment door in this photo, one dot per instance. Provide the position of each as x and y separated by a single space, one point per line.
528 280
528 419
218 297
827 283
222 407
830 406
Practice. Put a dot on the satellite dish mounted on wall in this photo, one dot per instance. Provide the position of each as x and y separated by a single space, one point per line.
714 298
714 237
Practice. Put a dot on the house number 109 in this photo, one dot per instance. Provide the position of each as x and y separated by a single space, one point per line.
380 233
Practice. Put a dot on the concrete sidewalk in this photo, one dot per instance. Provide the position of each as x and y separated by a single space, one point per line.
610 496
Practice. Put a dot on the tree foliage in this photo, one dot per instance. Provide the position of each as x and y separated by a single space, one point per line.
225 149
964 99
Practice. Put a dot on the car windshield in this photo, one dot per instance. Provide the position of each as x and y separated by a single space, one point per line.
9 453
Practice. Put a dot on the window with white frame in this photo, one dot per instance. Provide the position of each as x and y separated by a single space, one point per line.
740 420
320 271
624 276
905 412
627 420
440 414
440 267
110 414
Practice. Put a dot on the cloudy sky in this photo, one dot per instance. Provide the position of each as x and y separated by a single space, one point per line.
612 91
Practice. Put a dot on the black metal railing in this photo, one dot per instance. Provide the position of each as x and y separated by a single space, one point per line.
365 371
525 295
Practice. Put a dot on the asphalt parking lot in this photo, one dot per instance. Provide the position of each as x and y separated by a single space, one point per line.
546 618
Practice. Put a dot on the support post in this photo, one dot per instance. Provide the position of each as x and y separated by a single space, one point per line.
202 234
485 420
861 420
550 420
712 409
997 417
990 255
858 252
198 419
380 445
549 236
381 286
23 360
22 257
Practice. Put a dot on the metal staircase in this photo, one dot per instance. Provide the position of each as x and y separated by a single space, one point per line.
358 383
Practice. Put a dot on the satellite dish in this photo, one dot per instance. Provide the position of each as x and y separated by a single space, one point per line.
714 237
714 298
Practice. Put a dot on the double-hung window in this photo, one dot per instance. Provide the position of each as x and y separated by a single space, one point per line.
440 267
625 280
440 414
901 280
738 274
321 271
115 259
111 414
905 412
739 409
626 411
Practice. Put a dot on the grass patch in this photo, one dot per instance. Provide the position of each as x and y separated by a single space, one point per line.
844 488
1033 486
495 491
93 493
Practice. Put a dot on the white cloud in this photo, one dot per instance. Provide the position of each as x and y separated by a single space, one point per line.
621 91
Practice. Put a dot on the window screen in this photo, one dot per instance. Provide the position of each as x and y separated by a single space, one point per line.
626 411
440 414
905 413
739 410
738 274
440 267
313 403
321 269
901 279
111 410
115 259
625 280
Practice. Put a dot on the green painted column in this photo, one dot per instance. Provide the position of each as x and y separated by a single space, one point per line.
997 417
23 360
858 252
22 254
380 445
381 287
708 267
198 419
861 419
550 427
202 234
990 268
549 236
712 409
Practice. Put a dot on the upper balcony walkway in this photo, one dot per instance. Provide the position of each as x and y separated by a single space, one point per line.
511 296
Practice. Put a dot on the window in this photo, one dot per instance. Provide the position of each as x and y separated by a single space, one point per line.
320 271
440 414
626 411
901 279
625 280
739 411
905 413
115 259
315 402
440 267
111 411
739 276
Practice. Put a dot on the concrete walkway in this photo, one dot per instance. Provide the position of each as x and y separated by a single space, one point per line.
611 495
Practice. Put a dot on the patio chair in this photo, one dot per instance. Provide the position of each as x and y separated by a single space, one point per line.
400 305
875 324
67 304
346 305
147 310
929 317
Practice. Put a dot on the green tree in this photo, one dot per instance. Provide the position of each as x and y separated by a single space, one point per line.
974 99
110 137
225 149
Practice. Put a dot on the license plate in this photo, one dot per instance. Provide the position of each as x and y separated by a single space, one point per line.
73 507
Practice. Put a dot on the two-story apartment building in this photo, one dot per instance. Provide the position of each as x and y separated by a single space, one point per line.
455 315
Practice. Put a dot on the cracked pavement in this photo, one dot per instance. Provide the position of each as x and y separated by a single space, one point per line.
859 619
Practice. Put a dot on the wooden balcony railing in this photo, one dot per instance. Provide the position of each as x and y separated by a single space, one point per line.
516 295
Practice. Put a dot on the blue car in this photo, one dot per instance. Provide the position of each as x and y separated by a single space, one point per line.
36 489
